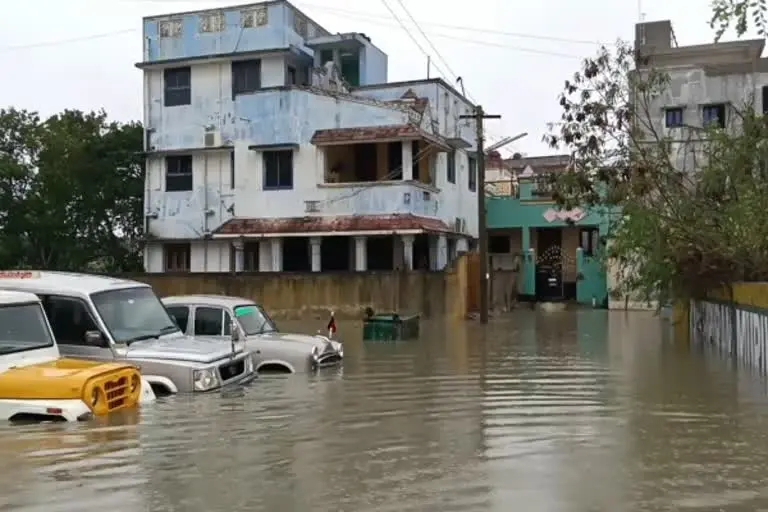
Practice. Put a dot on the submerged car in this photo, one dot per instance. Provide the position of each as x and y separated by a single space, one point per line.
272 350
109 319
36 384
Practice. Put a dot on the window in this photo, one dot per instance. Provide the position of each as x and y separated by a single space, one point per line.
451 167
251 256
212 22
765 99
395 160
291 75
673 117
131 314
589 241
252 18
278 169
178 86
499 244
326 56
177 257
472 171
70 319
232 170
254 320
23 328
714 115
180 315
178 173
246 76
208 321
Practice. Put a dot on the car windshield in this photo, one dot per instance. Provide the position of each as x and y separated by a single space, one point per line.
133 314
23 327
254 320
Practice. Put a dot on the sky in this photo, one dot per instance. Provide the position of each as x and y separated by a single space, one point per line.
513 57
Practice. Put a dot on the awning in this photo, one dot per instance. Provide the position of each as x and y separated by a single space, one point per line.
330 226
369 134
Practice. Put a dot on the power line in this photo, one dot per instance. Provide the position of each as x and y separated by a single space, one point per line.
408 32
380 16
66 41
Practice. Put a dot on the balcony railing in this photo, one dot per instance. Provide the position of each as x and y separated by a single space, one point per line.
374 198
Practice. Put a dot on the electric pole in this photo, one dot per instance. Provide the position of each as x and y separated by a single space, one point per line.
482 228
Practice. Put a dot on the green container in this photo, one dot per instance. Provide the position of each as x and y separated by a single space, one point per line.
390 327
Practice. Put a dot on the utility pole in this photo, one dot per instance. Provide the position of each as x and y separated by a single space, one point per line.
482 236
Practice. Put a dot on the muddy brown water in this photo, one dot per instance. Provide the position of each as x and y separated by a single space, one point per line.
571 411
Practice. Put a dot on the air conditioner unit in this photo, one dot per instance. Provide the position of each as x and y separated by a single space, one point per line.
212 139
311 206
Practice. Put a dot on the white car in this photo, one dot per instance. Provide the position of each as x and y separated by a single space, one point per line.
272 350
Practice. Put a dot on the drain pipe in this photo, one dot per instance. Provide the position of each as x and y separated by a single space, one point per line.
205 212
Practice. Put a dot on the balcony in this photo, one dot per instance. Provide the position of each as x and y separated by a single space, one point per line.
374 198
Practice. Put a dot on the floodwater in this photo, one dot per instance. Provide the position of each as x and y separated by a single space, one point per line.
572 411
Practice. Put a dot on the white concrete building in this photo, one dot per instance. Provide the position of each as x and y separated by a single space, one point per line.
274 145
709 83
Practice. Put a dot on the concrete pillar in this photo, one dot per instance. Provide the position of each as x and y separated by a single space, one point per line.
361 253
238 248
314 246
442 252
408 251
462 245
265 255
407 160
276 246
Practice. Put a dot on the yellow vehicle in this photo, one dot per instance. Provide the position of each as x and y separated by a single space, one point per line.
37 384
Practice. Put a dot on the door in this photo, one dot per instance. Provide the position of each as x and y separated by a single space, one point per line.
549 264
70 319
180 315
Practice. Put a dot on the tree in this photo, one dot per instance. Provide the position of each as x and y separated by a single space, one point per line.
72 194
692 215
738 14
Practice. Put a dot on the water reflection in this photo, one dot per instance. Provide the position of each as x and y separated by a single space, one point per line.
562 411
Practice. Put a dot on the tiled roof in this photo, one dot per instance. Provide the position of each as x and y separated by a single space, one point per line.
372 134
344 224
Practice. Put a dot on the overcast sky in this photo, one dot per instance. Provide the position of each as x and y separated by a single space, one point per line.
512 56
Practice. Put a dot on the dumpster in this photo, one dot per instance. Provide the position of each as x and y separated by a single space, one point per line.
390 327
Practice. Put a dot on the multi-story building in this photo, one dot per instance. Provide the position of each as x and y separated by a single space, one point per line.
275 145
708 83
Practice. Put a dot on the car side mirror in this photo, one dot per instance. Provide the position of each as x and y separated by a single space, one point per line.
94 338
237 334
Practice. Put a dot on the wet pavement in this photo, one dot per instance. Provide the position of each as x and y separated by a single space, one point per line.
571 411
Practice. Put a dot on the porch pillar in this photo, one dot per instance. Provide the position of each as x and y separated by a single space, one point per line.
314 246
407 160
361 253
408 251
239 247
527 286
265 255
277 254
441 252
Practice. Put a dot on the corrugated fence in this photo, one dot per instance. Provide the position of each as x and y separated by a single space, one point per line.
736 329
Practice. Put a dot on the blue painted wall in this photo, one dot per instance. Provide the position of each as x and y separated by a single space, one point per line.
277 116
277 33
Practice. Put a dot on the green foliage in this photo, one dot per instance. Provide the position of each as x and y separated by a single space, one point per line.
739 14
692 199
71 192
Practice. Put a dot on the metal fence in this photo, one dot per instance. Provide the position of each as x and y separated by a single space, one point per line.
738 333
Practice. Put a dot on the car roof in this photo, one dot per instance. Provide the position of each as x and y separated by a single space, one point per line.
10 297
224 301
44 281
